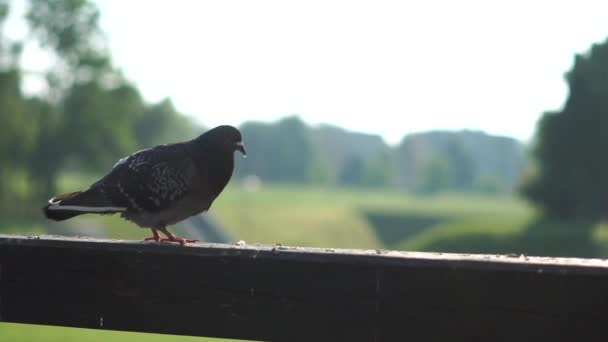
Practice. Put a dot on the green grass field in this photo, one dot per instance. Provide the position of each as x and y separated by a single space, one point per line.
351 218
348 218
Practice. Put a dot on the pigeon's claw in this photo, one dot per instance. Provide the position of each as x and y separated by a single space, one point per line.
178 239
172 238
154 236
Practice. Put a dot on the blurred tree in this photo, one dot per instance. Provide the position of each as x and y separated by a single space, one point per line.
460 165
295 152
45 161
378 171
17 133
468 155
10 50
319 171
352 171
97 106
258 138
489 185
334 145
4 10
435 175
161 124
18 130
285 151
90 116
99 123
572 163
70 29
320 174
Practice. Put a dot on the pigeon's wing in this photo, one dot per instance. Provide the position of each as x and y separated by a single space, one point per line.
150 180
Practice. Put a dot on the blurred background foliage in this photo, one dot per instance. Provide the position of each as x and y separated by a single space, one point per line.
569 182
449 191
90 116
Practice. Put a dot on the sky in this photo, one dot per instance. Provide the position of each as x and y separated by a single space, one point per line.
384 67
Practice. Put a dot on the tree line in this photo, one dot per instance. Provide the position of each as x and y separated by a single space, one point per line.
290 151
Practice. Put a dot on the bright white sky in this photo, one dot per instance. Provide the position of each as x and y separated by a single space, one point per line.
387 67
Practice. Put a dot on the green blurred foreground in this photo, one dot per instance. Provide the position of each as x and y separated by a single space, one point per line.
27 333
326 217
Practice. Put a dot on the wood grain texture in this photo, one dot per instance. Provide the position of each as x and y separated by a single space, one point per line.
300 294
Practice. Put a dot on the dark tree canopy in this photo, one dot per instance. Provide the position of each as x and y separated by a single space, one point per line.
570 182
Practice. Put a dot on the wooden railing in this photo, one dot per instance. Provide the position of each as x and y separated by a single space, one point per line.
300 294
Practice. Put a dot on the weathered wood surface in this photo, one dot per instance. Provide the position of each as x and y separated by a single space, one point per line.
300 294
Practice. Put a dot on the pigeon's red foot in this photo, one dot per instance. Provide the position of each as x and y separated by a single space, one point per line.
172 238
178 239
154 236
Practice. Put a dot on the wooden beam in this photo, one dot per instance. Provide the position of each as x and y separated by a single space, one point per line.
300 294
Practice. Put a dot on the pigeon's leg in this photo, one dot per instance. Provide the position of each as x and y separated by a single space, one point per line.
154 236
172 238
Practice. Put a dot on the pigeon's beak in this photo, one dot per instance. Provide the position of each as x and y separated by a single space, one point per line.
241 148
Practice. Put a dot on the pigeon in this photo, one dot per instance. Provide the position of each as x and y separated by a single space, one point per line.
159 186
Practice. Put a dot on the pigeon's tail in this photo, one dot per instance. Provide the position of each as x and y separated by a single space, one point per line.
72 204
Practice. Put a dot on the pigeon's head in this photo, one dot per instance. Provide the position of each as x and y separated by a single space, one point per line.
228 137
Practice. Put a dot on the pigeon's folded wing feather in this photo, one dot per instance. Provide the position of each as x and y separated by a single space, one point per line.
150 180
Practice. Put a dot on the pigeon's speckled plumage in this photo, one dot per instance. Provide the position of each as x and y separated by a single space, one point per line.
159 186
